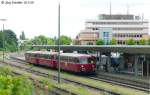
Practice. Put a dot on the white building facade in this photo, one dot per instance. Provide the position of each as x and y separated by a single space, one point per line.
119 27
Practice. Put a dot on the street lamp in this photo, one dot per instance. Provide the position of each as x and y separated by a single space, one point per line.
3 39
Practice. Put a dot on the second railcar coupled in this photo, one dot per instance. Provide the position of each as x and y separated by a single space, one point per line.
73 62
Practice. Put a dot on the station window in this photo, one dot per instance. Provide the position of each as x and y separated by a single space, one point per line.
140 35
123 42
106 34
135 35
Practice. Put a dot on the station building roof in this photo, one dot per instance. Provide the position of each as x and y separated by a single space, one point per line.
131 49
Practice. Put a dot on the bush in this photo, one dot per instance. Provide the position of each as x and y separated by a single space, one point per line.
22 86
10 85
5 71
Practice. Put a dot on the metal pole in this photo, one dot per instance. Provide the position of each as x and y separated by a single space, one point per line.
59 43
100 59
147 62
3 44
3 38
143 64
135 65
142 67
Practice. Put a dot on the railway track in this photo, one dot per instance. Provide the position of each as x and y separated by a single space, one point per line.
125 83
117 81
44 74
113 80
54 91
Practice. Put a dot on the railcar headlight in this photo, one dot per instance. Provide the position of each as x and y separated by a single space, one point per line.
82 66
93 66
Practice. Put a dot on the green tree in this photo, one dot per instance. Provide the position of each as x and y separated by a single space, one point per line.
100 42
10 85
24 45
142 42
40 40
10 40
22 36
131 42
113 41
64 40
51 42
1 39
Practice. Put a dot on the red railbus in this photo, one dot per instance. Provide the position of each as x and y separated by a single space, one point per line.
72 62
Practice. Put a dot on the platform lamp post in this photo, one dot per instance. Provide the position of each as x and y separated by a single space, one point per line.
59 42
3 35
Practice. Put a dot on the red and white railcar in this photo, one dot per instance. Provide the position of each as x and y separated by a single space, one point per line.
68 61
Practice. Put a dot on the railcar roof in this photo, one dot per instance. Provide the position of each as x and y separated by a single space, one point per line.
75 55
41 52
62 54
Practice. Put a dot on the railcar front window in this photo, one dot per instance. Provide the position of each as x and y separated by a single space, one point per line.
91 60
83 60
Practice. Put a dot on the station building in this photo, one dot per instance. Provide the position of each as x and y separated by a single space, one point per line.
121 27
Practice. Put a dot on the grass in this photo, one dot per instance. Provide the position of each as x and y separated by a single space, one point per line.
99 84
77 89
69 87
120 89
104 85
51 84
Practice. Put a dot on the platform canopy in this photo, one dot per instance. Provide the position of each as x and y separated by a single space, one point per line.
131 49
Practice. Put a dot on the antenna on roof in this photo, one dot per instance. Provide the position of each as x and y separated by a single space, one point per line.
128 9
110 9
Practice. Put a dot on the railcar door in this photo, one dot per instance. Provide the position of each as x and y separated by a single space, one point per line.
37 58
72 64
64 62
53 62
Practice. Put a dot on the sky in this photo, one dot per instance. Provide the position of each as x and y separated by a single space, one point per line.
41 17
